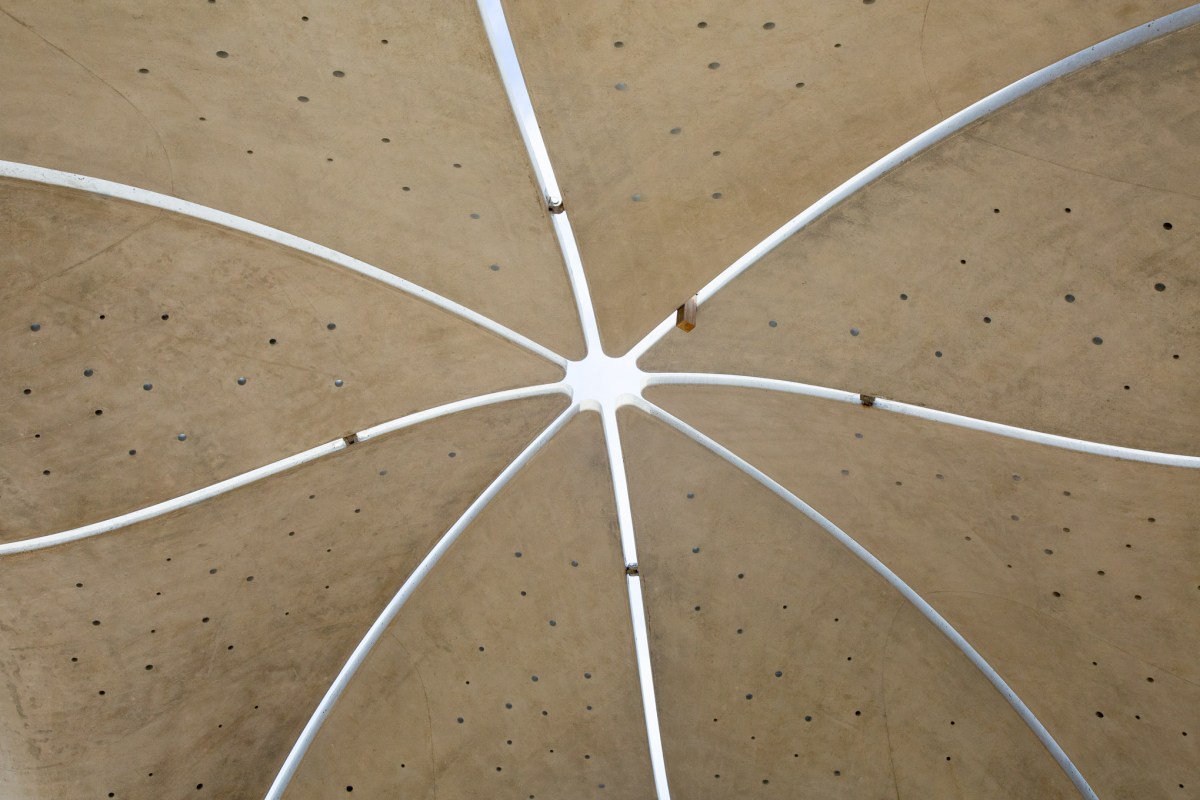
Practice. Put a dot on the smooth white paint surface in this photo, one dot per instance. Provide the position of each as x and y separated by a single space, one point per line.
518 96
938 133
579 284
132 194
895 406
641 645
599 382
274 468
467 404
174 504
379 627
894 580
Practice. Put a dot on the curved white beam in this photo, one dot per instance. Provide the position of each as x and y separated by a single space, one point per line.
895 406
379 627
894 580
637 612
132 194
518 96
641 646
938 133
274 468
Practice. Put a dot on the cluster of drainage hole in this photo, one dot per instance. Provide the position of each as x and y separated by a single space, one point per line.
337 73
1158 286
715 65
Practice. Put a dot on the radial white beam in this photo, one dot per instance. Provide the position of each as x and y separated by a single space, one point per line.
637 612
616 466
518 95
579 284
132 194
921 412
596 381
381 623
274 468
938 133
641 645
892 578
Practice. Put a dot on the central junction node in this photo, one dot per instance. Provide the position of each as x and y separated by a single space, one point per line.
599 382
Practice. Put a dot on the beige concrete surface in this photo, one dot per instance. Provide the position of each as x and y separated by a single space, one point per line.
979 278
504 676
403 134
1032 552
636 100
786 668
126 297
1038 269
181 657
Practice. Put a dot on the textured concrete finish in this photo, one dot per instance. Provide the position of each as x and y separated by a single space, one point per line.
126 298
382 131
786 668
510 673
1047 281
1024 548
637 100
191 649
480 604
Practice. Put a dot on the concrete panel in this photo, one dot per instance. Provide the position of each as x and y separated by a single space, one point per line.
181 657
1130 725
383 132
683 133
1028 543
786 668
1016 283
510 672
125 297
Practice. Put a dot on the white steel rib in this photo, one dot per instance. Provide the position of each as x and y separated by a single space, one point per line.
897 407
938 133
381 623
522 107
894 580
592 378
637 612
132 194
274 468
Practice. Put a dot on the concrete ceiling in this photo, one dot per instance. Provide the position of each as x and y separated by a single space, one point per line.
304 502
684 133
